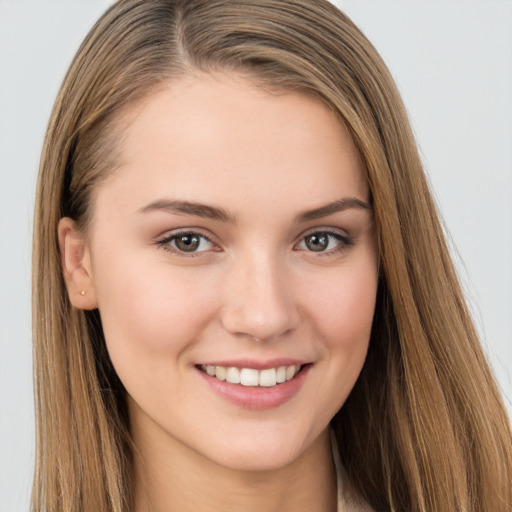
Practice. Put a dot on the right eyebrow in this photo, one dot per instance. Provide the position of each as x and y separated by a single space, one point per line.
340 205
179 207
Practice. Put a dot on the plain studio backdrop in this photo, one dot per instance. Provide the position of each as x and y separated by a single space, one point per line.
452 61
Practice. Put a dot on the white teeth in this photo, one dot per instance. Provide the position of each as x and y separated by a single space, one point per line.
291 371
221 373
248 377
268 377
252 377
233 375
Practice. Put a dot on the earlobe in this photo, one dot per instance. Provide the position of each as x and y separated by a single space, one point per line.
76 265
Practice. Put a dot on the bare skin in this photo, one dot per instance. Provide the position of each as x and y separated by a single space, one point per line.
237 233
189 484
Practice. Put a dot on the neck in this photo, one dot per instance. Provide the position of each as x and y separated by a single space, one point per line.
171 477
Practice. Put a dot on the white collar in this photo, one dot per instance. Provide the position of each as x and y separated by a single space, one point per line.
347 499
339 470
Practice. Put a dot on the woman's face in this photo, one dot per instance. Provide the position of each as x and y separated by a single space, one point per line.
234 243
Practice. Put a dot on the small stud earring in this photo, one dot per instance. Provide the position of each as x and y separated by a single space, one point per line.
82 292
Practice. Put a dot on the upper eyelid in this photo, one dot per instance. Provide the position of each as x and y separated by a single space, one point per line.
168 235
165 240
324 229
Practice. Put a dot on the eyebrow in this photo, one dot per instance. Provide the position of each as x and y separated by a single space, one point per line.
340 205
179 207
189 208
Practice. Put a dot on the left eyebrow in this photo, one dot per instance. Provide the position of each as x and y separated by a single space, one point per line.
335 207
189 208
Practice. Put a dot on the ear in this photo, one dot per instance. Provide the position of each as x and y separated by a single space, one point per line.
76 265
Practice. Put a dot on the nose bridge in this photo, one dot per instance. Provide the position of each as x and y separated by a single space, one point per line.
259 301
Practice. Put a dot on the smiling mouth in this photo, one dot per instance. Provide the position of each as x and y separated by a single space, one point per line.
251 377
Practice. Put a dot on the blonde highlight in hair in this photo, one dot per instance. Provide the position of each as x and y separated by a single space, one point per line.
424 428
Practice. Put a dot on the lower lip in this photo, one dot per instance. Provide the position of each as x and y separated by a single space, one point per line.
257 397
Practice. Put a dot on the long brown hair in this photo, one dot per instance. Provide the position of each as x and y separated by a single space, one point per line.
424 428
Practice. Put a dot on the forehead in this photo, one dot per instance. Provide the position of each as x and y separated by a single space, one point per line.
221 139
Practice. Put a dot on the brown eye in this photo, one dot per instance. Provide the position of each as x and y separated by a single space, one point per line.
317 242
328 242
187 242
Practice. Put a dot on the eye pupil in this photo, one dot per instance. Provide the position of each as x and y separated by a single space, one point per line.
317 242
187 243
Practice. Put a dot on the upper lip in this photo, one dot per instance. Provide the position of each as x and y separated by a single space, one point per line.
256 364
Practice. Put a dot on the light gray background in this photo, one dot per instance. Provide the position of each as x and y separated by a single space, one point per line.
453 63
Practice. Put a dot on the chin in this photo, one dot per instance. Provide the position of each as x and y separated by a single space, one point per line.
261 451
256 460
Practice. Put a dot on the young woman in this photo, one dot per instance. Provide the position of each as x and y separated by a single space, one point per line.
242 294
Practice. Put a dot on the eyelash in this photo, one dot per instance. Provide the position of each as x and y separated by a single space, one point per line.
344 242
165 243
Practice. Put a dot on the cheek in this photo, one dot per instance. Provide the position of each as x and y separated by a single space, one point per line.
342 310
150 312
344 306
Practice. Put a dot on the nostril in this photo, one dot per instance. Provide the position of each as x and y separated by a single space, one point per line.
260 326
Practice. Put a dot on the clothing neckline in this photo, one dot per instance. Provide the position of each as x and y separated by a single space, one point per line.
347 500
339 473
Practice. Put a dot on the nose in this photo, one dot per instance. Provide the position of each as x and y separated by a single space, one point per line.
259 300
